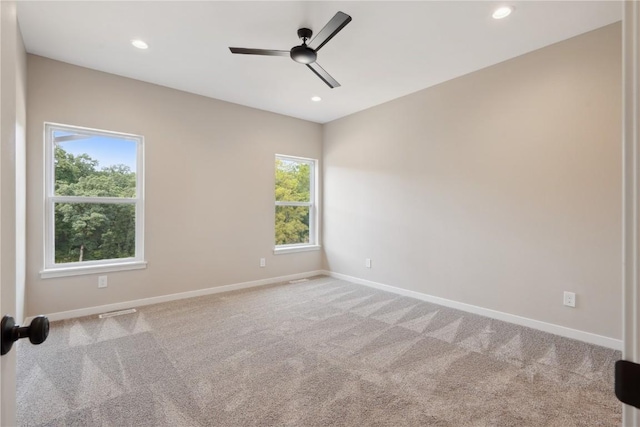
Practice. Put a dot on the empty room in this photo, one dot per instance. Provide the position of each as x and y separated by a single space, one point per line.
327 213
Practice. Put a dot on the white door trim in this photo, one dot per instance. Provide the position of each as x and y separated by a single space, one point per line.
630 197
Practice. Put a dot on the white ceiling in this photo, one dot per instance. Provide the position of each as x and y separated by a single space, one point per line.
390 49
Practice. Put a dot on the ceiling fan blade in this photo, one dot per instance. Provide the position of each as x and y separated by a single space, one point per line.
320 72
266 52
332 28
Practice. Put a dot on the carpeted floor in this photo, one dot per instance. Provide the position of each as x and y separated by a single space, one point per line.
319 353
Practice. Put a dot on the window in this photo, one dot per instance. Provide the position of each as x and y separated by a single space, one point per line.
94 206
296 210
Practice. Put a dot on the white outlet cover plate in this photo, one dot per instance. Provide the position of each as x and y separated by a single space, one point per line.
570 299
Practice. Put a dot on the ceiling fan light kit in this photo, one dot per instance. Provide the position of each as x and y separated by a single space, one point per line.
307 54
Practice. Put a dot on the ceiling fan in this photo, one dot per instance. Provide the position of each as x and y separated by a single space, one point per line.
307 54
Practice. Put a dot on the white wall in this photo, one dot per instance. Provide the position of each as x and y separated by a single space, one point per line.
500 189
12 120
209 184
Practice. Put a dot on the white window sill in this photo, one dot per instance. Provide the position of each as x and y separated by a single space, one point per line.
92 269
278 250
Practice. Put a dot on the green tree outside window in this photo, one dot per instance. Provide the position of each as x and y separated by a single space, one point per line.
92 231
293 184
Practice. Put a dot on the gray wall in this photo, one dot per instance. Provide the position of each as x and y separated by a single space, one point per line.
209 184
500 189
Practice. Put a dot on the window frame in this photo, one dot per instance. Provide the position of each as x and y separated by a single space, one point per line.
313 244
53 269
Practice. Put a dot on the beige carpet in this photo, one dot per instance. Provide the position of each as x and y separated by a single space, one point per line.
318 353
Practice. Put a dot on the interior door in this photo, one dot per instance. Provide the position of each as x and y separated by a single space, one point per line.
631 200
12 91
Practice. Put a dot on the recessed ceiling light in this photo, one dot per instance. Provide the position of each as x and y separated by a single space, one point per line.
316 99
502 12
139 44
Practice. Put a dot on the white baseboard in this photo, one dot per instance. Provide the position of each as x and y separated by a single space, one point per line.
89 311
499 315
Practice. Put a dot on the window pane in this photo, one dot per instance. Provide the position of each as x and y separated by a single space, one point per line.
94 166
94 231
292 225
293 181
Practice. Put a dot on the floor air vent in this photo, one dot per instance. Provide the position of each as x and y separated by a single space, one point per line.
298 281
117 313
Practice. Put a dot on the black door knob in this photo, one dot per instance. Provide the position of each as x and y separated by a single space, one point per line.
37 332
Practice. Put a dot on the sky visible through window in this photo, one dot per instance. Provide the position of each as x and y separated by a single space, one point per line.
108 151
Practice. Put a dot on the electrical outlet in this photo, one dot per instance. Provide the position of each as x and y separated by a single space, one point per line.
367 262
569 299
263 262
102 281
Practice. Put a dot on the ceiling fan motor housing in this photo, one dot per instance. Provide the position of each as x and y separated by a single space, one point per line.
303 53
